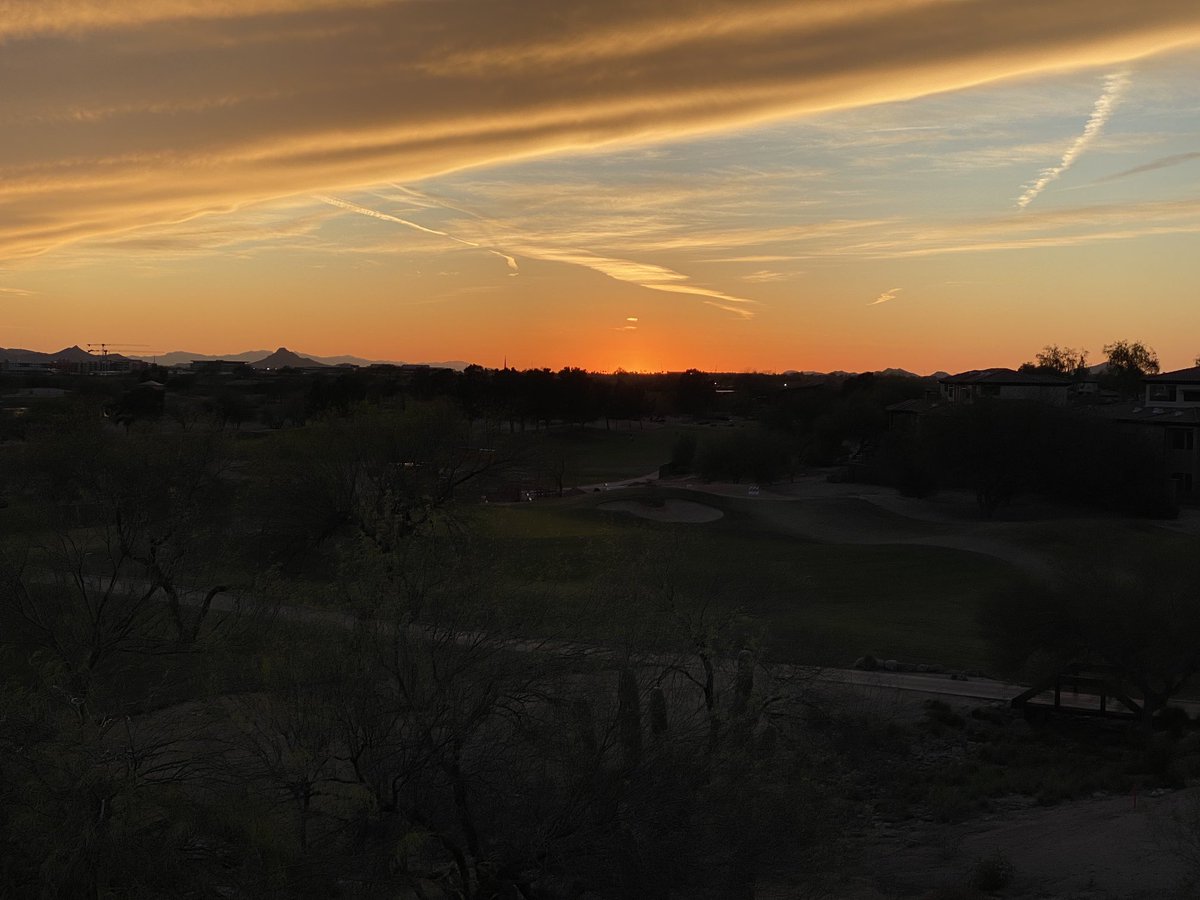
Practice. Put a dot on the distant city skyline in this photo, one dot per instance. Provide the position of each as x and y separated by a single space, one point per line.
837 184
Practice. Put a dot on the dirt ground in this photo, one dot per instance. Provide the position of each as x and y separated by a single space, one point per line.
1105 847
1102 848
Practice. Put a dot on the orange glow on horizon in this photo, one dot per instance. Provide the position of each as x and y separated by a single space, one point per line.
736 185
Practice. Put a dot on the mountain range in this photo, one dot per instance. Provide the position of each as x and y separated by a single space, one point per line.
839 373
278 359
73 354
259 359
266 359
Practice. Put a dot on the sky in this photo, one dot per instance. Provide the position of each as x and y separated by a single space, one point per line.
731 185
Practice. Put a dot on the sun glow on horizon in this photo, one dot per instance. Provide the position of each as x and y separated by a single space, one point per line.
739 205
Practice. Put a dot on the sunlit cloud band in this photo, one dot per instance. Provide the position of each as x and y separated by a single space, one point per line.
115 117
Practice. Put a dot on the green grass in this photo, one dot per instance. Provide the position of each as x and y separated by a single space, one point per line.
1084 540
810 601
593 455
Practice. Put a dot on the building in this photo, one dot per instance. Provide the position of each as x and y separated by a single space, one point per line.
26 367
221 367
1176 390
1005 384
980 384
1171 407
1167 418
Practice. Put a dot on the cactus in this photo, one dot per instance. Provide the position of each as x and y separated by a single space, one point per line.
585 722
629 717
767 743
744 685
658 712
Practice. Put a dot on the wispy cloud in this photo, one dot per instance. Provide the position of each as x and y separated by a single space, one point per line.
648 275
1077 226
762 276
762 258
30 17
286 98
20 292
539 246
885 296
1114 85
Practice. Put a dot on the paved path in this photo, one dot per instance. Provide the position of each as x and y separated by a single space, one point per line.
877 682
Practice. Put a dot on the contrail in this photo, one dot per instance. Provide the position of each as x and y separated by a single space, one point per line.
885 297
1162 163
1114 86
649 276
434 203
376 214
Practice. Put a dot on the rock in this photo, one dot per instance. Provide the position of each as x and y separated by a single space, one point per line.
891 665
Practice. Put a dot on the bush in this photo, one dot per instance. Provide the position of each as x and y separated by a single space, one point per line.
993 872
746 453
953 892
683 452
940 712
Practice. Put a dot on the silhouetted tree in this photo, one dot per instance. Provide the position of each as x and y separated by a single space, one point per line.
1128 363
103 634
1066 361
683 451
624 398
578 398
694 392
747 453
1132 611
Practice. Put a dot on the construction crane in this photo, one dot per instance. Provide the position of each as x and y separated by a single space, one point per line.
106 348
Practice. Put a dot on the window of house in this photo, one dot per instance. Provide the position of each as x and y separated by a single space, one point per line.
1191 396
1183 482
1181 438
1162 392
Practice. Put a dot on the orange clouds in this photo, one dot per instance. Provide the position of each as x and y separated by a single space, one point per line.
120 116
22 18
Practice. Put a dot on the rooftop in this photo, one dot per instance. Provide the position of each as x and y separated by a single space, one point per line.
1006 376
1179 376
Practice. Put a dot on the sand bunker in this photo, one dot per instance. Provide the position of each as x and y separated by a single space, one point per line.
685 511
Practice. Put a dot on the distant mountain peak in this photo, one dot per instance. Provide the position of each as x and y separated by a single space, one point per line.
284 358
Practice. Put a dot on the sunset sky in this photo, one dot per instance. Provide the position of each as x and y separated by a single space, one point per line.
725 184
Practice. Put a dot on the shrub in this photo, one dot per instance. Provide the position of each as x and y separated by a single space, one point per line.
940 712
993 872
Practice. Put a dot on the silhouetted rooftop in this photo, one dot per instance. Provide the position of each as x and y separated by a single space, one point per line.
1149 413
1006 376
1179 376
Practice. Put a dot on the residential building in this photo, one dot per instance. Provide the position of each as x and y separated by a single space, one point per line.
1005 384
